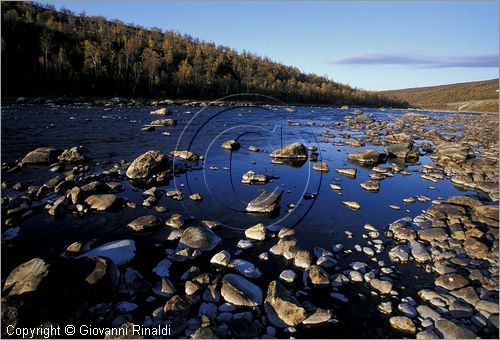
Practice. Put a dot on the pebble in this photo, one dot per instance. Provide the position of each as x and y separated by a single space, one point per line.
288 276
402 323
352 205
244 244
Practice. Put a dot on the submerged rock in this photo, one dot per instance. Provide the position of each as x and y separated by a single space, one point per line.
294 150
264 203
26 277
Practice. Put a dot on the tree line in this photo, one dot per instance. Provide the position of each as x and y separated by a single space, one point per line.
50 52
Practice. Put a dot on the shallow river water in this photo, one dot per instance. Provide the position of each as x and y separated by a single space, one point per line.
114 134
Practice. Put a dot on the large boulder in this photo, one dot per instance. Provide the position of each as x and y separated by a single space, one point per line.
240 292
40 156
199 238
102 202
405 151
369 157
266 202
294 151
148 164
451 151
26 277
281 307
76 154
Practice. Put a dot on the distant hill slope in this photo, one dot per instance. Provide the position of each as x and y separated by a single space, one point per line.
50 52
473 96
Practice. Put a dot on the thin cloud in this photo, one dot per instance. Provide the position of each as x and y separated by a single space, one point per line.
478 60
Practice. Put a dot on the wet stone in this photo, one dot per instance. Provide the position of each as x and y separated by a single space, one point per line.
382 286
240 292
349 172
288 276
257 232
231 145
175 221
369 157
222 258
403 324
451 281
102 202
320 316
352 205
371 185
26 277
450 330
321 166
144 222
264 203
199 238
293 151
318 276
282 309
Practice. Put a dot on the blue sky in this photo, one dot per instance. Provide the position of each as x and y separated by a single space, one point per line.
372 45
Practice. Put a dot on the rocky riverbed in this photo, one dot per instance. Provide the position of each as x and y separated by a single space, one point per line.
250 221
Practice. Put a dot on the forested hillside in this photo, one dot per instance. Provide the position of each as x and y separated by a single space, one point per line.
473 96
49 52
